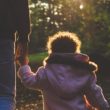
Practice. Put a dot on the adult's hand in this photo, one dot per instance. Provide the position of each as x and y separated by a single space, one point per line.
22 53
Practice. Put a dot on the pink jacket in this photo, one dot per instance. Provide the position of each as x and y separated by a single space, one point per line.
64 86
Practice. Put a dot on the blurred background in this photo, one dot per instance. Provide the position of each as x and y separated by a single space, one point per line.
89 19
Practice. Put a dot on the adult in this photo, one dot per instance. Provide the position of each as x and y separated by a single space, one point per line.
14 21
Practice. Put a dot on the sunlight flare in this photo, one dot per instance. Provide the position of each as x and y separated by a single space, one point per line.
81 6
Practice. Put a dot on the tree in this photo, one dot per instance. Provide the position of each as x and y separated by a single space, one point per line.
88 18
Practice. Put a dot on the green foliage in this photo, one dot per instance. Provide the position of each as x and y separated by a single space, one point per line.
38 57
88 18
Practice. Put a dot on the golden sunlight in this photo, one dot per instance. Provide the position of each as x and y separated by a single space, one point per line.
81 6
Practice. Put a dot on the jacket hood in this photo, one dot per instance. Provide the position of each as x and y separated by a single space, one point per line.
76 60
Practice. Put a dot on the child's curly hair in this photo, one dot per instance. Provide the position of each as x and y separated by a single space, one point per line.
63 42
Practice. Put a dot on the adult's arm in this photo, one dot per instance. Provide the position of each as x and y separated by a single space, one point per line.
23 27
23 20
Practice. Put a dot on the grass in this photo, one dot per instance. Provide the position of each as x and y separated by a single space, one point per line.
38 57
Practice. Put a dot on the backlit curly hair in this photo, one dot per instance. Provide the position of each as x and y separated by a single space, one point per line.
63 42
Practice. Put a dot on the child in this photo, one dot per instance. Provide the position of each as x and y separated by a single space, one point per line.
66 77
